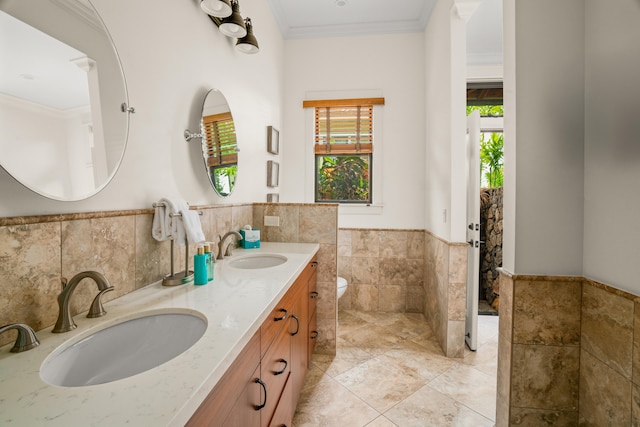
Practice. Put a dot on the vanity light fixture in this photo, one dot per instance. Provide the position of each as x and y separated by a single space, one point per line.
233 25
226 15
217 8
248 43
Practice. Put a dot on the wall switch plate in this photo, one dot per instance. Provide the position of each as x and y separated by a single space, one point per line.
444 216
271 221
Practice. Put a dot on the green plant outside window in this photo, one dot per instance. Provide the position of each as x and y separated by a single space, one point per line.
343 178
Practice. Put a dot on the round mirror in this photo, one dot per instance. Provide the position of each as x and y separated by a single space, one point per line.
219 146
63 124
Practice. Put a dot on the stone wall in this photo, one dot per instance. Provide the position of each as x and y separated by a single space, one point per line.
491 251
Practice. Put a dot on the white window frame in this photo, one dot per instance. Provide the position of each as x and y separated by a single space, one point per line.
375 208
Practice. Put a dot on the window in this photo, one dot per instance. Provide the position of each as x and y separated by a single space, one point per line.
343 149
221 149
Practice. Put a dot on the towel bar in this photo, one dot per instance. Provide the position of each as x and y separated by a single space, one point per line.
181 277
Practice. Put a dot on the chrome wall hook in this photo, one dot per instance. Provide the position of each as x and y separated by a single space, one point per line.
188 135
126 109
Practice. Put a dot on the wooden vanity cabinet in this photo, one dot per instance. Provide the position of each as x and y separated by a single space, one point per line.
262 386
234 399
312 298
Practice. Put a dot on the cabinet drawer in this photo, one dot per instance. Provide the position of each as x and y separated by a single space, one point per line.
283 416
274 372
236 385
313 336
313 291
273 325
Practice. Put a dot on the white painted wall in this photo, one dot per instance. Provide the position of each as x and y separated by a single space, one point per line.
172 54
445 203
612 144
546 222
391 66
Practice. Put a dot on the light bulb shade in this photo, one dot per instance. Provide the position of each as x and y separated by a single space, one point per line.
216 8
248 43
233 26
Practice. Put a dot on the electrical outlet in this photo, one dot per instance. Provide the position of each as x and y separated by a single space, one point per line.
271 221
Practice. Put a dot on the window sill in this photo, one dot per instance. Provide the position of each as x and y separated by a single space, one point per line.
347 209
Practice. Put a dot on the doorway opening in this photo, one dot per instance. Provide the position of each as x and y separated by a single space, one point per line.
487 98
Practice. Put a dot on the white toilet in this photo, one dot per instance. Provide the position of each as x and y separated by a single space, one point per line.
342 286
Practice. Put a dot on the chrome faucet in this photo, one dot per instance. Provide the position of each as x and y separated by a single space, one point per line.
222 250
65 322
26 340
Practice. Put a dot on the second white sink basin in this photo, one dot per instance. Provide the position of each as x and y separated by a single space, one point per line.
258 261
122 350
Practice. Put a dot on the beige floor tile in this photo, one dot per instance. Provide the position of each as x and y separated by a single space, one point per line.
346 357
485 358
427 407
392 362
373 339
426 363
327 403
381 421
469 386
381 384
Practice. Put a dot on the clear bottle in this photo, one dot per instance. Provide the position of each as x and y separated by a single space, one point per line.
210 260
200 267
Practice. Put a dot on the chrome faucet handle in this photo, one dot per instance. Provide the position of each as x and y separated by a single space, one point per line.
26 340
97 310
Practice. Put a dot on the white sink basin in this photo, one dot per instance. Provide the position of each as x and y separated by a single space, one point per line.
122 350
258 261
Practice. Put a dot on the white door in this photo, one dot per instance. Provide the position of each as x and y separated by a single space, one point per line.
473 228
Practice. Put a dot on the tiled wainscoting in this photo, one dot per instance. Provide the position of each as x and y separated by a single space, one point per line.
569 353
310 223
446 292
36 252
409 271
384 268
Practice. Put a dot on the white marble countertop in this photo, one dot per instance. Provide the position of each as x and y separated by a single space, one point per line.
235 305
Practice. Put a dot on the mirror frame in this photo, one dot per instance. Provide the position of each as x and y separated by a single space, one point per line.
226 153
88 14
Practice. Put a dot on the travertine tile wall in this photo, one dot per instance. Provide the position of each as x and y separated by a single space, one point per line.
384 269
569 353
36 252
310 223
445 292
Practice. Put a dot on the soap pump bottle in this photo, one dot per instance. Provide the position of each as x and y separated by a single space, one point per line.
210 260
200 267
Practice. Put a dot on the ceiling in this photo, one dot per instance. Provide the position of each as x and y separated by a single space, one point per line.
325 18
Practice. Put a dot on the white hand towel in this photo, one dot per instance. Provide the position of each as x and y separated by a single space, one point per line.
161 227
167 224
192 227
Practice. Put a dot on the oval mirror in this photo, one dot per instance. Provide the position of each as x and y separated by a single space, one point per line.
63 124
219 145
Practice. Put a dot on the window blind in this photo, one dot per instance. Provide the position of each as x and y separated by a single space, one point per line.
344 126
221 143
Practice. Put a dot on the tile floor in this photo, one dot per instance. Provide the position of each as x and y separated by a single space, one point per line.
389 371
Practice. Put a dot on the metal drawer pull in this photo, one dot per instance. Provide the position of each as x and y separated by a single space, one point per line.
314 264
297 327
283 369
284 316
314 295
264 387
314 335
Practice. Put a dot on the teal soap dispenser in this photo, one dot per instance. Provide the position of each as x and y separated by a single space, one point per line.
200 276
